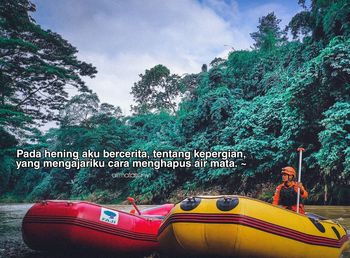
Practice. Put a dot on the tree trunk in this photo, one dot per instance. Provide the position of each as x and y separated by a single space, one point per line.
325 200
325 193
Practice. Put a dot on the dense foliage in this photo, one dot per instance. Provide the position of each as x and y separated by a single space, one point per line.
269 34
156 90
265 102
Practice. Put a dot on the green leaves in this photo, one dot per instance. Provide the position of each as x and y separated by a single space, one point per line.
36 64
157 90
333 156
269 34
324 20
323 80
301 24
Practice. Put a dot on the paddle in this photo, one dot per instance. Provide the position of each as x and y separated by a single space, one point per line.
300 150
132 201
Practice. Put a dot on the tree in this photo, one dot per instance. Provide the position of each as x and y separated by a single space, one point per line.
334 156
79 109
325 19
110 110
157 89
269 34
217 61
86 125
85 110
301 24
35 64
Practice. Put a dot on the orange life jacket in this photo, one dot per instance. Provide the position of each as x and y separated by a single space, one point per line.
286 196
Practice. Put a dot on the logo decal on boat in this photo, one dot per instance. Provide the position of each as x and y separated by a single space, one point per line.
109 216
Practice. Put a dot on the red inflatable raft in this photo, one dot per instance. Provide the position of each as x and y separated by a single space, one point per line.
53 225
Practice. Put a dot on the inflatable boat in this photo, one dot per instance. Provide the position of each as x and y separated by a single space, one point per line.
58 225
239 226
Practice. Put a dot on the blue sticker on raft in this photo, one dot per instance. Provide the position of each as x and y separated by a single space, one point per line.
109 216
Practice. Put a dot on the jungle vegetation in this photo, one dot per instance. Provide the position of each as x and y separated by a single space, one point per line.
291 89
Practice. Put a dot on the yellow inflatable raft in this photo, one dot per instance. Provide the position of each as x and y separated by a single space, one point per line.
243 227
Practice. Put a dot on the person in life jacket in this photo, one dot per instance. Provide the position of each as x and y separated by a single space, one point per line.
287 192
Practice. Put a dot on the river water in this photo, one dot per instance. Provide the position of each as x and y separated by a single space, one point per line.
338 213
11 215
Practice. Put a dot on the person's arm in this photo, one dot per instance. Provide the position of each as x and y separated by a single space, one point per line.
303 193
276 197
